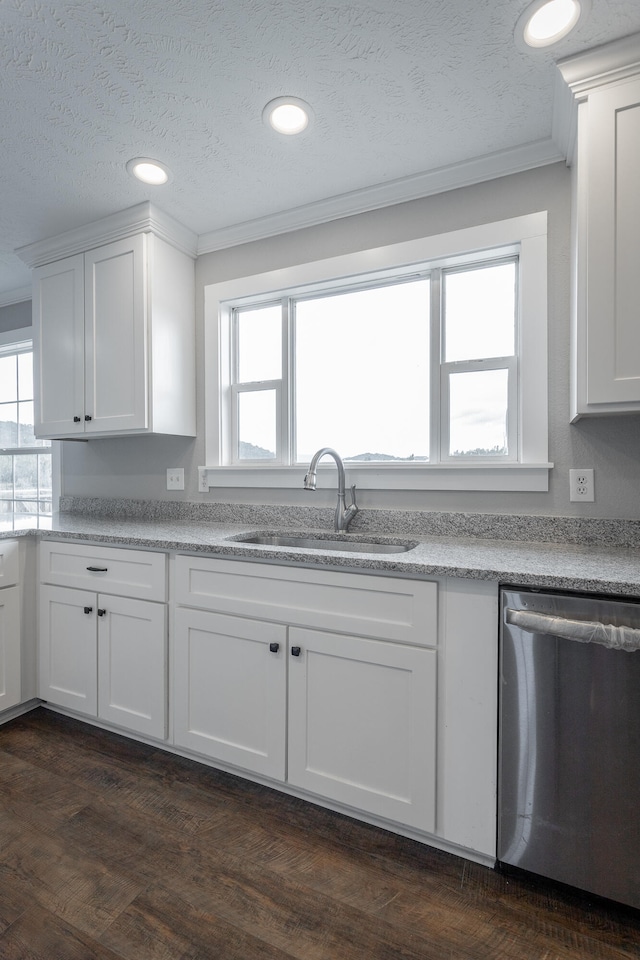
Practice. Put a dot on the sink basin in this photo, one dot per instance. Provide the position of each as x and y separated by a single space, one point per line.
326 543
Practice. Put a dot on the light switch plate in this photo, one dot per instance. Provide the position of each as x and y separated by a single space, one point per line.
175 478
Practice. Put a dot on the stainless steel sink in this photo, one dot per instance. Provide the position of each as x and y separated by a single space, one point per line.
326 543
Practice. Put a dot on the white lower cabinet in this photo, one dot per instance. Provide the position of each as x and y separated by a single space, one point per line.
10 633
102 654
10 672
374 694
346 717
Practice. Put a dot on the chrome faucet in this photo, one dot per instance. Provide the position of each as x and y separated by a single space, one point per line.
344 514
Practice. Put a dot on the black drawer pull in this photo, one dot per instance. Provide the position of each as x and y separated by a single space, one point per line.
274 647
101 613
88 609
98 569
295 651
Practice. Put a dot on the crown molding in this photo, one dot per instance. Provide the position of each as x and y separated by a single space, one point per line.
500 164
578 76
9 297
142 218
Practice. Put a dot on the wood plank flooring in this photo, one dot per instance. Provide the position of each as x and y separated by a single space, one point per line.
112 849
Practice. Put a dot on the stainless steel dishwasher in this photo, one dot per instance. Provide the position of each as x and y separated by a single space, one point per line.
569 741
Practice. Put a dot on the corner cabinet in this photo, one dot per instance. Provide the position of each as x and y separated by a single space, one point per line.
114 329
103 634
604 111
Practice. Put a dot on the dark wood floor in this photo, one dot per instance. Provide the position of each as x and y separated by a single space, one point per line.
112 849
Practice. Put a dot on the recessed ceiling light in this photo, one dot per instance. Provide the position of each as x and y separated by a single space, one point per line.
544 22
288 115
149 171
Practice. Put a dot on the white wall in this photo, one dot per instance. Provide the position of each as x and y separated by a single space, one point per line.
15 316
135 467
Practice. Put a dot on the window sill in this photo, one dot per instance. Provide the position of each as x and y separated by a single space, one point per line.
498 477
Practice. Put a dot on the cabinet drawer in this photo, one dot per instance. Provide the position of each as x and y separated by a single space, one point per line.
379 607
128 573
9 567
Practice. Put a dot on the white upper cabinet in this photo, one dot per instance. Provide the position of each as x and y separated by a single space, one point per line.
114 338
602 131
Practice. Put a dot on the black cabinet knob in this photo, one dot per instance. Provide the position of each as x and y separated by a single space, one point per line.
295 651
77 419
87 417
88 609
274 647
101 613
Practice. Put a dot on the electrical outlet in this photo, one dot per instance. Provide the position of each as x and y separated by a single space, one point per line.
581 485
175 478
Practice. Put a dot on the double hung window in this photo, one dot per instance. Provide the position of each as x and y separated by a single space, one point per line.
25 463
434 364
367 363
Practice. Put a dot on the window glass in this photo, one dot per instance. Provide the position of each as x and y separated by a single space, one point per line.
25 376
479 312
8 378
257 425
8 425
25 463
362 373
26 436
259 344
6 477
478 410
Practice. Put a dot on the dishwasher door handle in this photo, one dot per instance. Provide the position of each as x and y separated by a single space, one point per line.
584 631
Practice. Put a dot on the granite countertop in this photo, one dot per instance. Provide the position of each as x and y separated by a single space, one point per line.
592 567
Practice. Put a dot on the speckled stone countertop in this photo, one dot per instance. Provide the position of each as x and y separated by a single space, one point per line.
594 556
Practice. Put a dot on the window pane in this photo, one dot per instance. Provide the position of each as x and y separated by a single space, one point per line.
26 436
257 425
259 344
8 378
26 476
479 313
362 373
44 475
8 425
6 477
25 376
478 414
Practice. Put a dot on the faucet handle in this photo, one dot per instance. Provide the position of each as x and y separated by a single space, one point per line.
353 497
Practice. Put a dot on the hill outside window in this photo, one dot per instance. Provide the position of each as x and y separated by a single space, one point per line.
409 371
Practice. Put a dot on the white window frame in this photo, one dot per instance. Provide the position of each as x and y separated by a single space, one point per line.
21 339
527 235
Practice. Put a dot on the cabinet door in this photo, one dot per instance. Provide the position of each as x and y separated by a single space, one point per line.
116 336
608 163
9 563
132 664
58 347
362 724
68 649
230 689
10 674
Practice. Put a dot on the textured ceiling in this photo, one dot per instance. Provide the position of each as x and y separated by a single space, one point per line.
398 87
